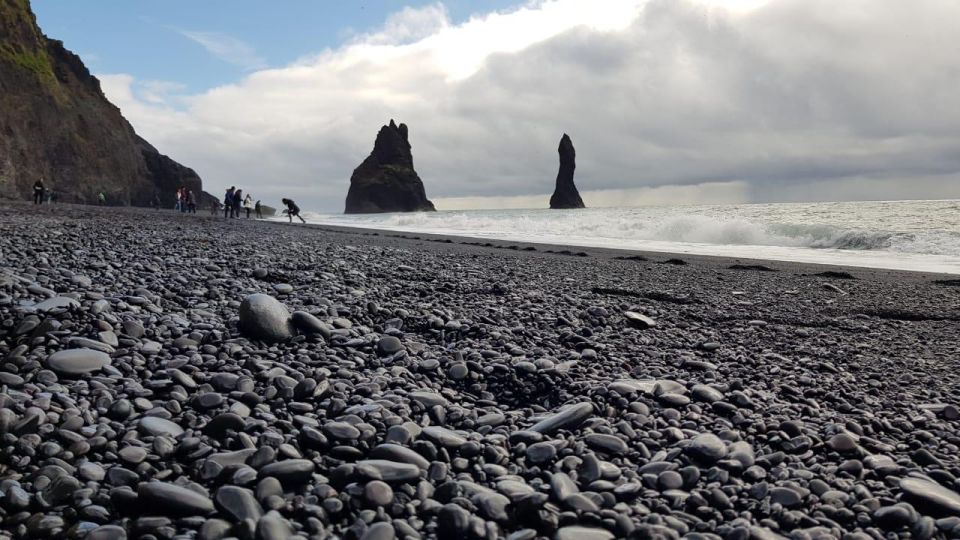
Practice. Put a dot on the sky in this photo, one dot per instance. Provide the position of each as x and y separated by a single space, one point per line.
666 101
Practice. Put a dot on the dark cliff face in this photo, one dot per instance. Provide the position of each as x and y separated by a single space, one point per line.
56 125
566 195
386 180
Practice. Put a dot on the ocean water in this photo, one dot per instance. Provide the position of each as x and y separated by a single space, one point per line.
902 235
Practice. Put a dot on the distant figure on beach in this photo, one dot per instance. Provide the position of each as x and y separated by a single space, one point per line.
101 198
257 209
228 202
237 201
248 204
38 190
191 202
49 193
292 210
177 206
155 203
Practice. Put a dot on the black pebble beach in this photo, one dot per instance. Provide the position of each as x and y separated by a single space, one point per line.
389 385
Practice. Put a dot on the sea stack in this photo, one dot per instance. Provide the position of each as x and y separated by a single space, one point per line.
566 195
386 181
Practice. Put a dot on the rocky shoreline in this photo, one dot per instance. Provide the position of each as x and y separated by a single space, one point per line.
443 388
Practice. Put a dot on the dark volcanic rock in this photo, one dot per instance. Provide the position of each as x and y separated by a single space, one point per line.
58 125
386 180
565 195
77 361
173 499
415 402
264 317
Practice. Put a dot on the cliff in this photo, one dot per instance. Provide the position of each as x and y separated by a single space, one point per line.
386 180
565 195
56 124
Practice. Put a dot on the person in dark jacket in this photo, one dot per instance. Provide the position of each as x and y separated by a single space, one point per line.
228 202
258 211
237 201
38 191
292 210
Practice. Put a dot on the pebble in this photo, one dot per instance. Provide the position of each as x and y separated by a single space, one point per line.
73 362
264 317
173 499
707 447
930 497
441 402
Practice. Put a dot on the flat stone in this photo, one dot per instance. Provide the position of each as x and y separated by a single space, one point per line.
706 394
388 471
402 454
429 399
172 499
381 530
444 436
57 302
638 320
107 532
785 496
929 497
568 418
341 431
73 362
154 425
290 471
308 324
610 444
575 532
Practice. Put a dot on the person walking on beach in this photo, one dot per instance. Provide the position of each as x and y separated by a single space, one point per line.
38 190
257 209
292 210
248 204
192 202
237 201
101 198
176 207
228 202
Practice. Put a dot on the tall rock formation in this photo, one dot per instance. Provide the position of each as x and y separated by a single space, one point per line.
56 124
386 181
566 195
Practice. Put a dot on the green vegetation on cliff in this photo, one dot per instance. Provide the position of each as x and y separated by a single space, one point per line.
37 63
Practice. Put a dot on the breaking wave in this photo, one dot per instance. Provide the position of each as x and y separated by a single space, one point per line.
924 228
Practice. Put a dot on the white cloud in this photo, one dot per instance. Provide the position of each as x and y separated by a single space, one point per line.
227 48
777 101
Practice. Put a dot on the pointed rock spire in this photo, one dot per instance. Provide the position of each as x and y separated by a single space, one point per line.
566 195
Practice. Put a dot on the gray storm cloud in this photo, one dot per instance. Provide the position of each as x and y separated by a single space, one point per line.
793 100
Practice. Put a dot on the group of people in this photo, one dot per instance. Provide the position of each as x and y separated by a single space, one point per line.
41 193
186 201
234 200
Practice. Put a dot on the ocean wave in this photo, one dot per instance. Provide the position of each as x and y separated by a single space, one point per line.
812 226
